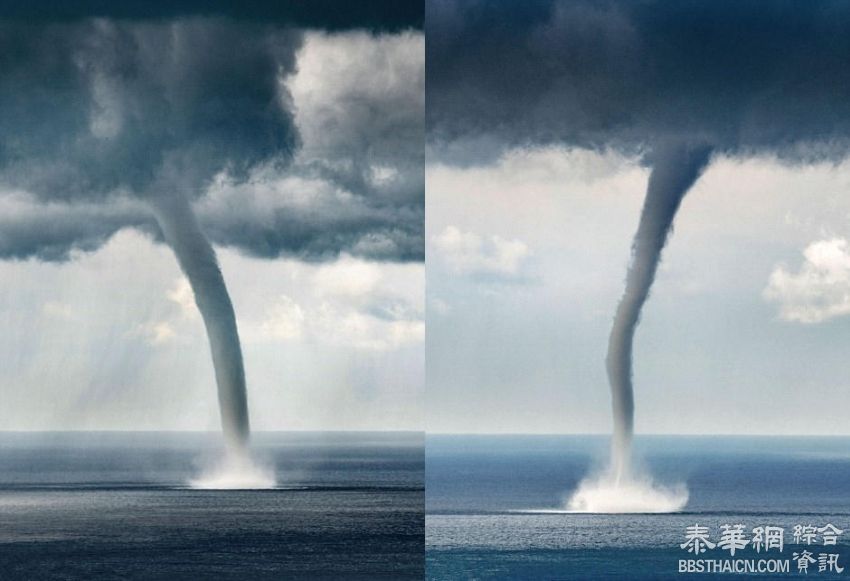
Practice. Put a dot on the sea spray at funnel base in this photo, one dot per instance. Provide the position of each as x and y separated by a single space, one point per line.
629 494
198 262
675 168
235 470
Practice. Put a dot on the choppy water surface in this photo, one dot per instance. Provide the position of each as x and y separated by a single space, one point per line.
119 506
496 506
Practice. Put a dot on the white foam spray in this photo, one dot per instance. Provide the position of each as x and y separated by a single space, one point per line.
610 492
235 470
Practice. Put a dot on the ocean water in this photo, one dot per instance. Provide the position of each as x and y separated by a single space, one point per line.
494 505
117 506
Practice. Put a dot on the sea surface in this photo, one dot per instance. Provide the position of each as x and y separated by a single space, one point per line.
118 506
495 505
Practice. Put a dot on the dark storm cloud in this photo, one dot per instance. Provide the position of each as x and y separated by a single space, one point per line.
90 108
96 111
324 14
320 231
739 75
53 232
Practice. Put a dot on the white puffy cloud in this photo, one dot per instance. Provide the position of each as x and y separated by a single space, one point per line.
336 111
468 253
349 303
347 278
343 326
284 319
57 310
156 332
184 297
820 290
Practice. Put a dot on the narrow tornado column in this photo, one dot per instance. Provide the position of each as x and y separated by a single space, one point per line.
675 168
198 262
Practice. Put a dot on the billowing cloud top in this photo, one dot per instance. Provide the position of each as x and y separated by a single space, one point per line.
104 106
740 75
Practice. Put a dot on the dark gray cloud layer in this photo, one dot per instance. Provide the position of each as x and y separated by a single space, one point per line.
51 232
98 115
740 75
325 14
91 108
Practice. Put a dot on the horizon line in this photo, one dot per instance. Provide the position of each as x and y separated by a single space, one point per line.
647 434
212 432
426 433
